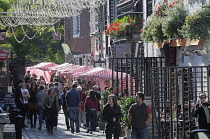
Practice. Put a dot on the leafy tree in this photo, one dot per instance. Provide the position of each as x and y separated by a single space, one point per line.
39 49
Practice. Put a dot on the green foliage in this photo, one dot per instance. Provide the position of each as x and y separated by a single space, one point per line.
197 25
41 48
125 104
104 97
103 102
4 5
152 31
176 14
165 22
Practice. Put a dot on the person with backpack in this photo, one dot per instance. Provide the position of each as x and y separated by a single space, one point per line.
91 108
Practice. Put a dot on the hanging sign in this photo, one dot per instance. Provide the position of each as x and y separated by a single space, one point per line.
2 36
3 55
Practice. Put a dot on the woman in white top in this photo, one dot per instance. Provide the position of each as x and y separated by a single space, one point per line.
25 97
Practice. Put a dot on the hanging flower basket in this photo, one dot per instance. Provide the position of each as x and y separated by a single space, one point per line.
165 22
124 28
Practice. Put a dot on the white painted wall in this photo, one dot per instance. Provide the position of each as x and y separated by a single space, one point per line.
193 59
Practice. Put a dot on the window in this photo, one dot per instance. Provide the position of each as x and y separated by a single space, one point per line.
76 26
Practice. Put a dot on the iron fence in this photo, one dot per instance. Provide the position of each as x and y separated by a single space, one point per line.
175 92
130 75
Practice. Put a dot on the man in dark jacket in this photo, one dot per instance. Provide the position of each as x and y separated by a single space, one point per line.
73 101
18 95
202 110
139 115
64 106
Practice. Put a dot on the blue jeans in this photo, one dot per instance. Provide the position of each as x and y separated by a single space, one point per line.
40 115
139 133
74 114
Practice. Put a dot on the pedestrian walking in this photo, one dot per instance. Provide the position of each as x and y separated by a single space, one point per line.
202 111
112 114
58 92
52 108
18 95
64 107
40 97
91 106
139 115
73 101
82 113
25 97
33 105
98 95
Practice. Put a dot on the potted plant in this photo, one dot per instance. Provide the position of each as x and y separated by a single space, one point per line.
152 31
103 102
197 25
165 22
125 103
175 19
122 28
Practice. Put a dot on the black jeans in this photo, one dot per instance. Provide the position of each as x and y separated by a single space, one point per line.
24 109
109 136
91 119
204 126
51 121
67 118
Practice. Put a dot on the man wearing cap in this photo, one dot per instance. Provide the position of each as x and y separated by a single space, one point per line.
202 110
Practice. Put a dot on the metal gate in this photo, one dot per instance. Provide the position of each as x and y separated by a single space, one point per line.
175 92
130 75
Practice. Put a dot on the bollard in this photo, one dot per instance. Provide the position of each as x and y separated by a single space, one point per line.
18 126
12 116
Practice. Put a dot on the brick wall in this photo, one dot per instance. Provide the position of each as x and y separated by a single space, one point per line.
80 45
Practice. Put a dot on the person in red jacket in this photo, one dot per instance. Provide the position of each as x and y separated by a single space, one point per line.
91 108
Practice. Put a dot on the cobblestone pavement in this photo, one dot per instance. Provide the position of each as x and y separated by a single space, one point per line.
60 132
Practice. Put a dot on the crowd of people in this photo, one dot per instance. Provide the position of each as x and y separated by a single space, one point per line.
80 106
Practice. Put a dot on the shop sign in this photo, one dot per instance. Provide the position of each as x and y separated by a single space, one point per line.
3 55
172 56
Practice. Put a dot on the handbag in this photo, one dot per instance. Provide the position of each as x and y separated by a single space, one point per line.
87 107
122 131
